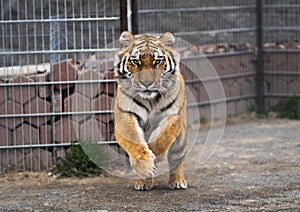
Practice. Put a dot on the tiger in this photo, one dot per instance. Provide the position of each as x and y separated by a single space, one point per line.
150 106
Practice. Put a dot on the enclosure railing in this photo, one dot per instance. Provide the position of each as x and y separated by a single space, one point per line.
50 76
56 61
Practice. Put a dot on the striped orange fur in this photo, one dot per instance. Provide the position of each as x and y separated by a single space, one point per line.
150 106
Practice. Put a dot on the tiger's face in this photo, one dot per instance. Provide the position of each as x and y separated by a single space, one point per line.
147 65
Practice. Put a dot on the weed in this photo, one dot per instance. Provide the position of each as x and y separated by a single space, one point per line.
203 120
24 176
259 113
287 108
76 164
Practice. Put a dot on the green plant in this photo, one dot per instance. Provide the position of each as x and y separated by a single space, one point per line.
203 120
76 164
259 113
24 176
288 108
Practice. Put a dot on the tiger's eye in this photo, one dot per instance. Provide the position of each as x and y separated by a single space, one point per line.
135 62
157 62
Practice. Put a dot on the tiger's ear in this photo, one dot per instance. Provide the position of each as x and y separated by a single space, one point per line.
126 38
168 38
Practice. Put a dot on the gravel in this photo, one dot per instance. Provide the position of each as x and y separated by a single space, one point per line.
255 168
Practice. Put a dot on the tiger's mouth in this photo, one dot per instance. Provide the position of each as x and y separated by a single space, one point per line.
148 94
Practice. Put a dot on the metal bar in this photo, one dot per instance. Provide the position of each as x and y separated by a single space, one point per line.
56 41
211 32
52 103
223 8
282 28
57 51
58 20
197 9
281 95
129 13
223 77
123 15
259 57
284 51
55 83
56 114
227 99
52 145
282 73
280 6
44 61
204 56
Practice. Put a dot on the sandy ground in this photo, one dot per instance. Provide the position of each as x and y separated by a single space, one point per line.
255 168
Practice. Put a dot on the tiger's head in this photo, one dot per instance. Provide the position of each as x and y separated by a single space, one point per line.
147 65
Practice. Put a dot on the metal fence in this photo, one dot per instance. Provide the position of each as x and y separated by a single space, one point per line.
57 84
280 51
248 42
200 22
54 88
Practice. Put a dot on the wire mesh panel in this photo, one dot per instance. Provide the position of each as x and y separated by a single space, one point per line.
226 32
200 22
51 78
281 21
222 30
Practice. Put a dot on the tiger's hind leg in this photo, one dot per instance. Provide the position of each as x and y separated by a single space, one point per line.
144 184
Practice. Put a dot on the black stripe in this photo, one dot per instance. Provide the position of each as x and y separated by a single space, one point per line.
153 44
141 44
170 104
170 64
174 69
138 118
136 101
120 74
118 68
119 65
138 48
181 153
157 97
174 62
178 148
123 65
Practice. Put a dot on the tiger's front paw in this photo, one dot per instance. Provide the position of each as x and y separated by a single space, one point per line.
144 164
144 184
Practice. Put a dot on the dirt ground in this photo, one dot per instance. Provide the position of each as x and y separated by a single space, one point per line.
255 168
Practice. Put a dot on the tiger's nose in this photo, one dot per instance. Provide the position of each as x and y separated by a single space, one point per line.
147 83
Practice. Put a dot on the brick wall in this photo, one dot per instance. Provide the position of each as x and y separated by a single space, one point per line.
30 120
